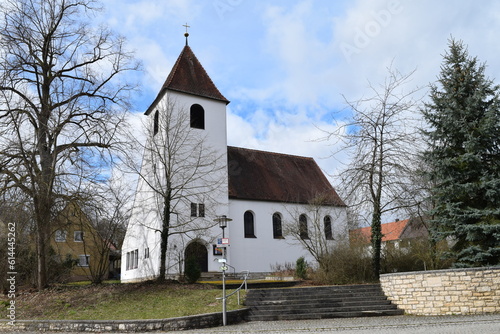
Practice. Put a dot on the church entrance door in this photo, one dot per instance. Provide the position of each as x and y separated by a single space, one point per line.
198 251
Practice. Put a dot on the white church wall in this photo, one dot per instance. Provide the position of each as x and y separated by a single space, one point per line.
262 253
140 236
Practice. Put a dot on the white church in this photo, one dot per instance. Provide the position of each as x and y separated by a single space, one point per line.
266 198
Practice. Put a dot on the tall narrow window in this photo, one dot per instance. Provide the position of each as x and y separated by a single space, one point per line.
194 210
156 123
201 210
136 259
277 229
197 116
248 221
328 228
303 233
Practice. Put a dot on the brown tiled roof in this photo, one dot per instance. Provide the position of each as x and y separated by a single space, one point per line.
267 176
189 76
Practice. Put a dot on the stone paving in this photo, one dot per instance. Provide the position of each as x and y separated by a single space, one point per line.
482 324
473 324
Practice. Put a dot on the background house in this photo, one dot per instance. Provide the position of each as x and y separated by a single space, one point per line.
78 243
398 234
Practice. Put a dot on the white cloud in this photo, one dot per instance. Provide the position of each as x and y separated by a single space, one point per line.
415 35
301 57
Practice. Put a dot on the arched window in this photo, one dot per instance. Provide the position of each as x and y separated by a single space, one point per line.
249 226
156 122
328 228
303 233
277 229
197 116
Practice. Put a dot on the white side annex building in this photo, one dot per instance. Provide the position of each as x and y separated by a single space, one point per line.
265 194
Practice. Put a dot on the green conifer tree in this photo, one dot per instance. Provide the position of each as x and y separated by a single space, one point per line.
464 159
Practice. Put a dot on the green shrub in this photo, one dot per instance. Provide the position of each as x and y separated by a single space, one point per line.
192 271
301 268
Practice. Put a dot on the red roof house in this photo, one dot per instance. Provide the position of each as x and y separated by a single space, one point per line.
392 232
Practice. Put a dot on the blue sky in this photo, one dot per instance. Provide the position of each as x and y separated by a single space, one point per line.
286 64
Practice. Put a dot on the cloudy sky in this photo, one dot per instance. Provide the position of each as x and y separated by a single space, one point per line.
286 64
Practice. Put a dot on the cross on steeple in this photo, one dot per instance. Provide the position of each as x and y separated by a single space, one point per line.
186 34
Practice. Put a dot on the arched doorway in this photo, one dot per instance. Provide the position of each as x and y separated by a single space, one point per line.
198 251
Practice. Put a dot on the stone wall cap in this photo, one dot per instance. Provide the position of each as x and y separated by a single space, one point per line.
441 271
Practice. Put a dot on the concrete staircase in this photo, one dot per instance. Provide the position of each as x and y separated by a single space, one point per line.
319 303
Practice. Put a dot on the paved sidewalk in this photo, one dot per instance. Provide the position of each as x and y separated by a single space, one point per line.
477 324
474 324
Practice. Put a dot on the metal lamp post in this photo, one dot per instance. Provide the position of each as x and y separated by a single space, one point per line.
223 220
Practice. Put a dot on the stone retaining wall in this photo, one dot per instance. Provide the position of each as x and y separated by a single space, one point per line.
172 324
445 292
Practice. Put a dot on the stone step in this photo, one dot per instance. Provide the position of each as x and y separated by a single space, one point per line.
291 296
251 300
319 302
312 291
327 315
295 311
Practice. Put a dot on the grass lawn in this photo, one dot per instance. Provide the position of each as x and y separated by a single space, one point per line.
121 301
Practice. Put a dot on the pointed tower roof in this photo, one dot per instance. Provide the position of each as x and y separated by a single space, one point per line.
189 76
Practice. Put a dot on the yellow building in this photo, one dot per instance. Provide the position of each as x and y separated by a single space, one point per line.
74 236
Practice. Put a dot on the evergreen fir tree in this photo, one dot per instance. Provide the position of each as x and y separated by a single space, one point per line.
464 159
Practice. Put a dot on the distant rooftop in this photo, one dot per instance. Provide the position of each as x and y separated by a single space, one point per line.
397 230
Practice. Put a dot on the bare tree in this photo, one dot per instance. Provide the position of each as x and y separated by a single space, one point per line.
315 231
62 101
179 168
108 211
382 140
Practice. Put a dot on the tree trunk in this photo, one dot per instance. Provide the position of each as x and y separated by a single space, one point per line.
41 259
164 241
376 242
43 216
